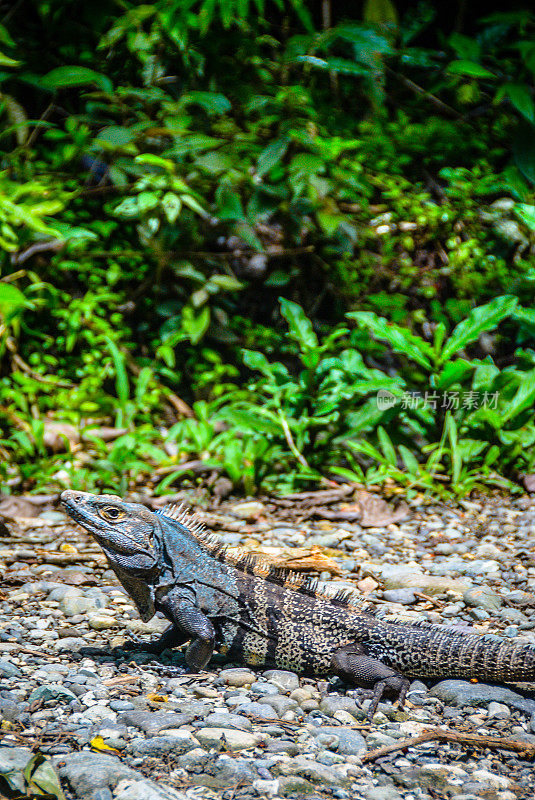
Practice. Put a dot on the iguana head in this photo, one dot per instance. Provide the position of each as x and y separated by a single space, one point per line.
126 533
123 530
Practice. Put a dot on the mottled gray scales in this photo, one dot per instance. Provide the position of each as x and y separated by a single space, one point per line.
262 616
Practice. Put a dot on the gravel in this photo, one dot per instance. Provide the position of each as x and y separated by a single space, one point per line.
116 724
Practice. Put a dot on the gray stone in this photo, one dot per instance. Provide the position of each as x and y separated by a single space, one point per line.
225 771
223 720
260 710
194 760
311 771
88 772
285 681
294 786
347 741
250 509
236 677
377 738
9 709
280 703
226 738
13 760
382 793
498 711
333 703
152 722
463 693
9 670
52 692
282 746
74 603
121 705
163 745
263 688
405 597
70 643
483 597
144 789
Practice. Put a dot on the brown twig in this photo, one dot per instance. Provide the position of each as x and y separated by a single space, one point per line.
454 737
24 367
451 112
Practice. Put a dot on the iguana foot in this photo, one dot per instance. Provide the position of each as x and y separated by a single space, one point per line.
168 670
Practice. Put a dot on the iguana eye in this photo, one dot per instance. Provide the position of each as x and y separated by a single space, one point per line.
111 512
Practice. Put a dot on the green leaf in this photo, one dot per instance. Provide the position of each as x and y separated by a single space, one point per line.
121 378
128 208
470 68
456 460
157 161
524 397
6 61
454 372
524 149
114 136
195 324
480 320
192 203
257 361
379 12
409 459
12 301
146 201
401 339
252 421
300 327
387 447
171 205
272 155
228 283
42 778
67 77
342 66
229 205
526 213
520 97
211 102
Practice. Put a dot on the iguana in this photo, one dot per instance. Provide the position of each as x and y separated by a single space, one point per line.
265 616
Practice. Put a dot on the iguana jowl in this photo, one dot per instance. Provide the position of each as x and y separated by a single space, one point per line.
269 617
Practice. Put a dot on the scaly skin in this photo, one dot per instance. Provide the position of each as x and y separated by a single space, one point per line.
269 617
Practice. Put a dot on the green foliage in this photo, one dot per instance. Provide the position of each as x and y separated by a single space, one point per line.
168 169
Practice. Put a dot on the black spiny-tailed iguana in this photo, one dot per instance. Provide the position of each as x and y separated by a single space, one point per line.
269 617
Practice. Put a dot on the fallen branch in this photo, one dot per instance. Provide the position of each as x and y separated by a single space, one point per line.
454 737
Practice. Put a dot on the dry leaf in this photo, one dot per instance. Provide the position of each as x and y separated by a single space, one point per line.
14 507
60 436
157 698
376 512
105 432
298 559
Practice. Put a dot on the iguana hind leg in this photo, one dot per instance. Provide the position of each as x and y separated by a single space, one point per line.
352 663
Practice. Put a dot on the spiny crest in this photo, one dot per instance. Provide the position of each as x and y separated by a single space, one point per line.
180 514
255 564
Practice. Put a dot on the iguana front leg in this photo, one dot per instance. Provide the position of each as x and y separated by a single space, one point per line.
188 622
171 637
352 663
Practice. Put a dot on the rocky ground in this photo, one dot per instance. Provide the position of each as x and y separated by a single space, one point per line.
116 724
